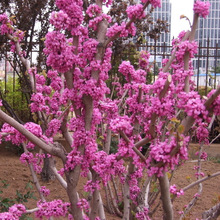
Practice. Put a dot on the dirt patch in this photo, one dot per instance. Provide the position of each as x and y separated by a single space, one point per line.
18 175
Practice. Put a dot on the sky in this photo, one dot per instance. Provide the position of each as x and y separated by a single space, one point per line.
180 7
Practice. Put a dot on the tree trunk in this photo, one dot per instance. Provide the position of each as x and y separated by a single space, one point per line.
165 197
47 173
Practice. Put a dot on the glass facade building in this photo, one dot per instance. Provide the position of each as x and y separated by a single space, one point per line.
162 13
208 35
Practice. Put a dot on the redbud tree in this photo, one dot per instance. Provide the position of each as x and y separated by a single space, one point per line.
72 99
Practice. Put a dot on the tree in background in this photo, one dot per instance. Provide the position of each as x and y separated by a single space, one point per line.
32 17
163 115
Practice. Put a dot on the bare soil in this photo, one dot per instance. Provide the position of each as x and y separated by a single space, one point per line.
17 175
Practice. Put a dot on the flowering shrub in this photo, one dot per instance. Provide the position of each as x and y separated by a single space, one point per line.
74 100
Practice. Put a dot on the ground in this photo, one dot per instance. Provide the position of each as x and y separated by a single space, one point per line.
17 176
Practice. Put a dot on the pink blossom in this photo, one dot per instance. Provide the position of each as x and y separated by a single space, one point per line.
199 174
113 30
55 208
204 156
107 165
192 104
36 161
126 69
60 53
160 152
76 18
201 8
186 46
121 123
173 190
56 84
144 59
135 11
107 2
14 212
53 127
74 158
40 79
202 133
44 191
196 195
52 74
90 49
95 21
92 186
18 35
143 214
83 204
34 128
155 3
5 25
216 103
93 9
60 20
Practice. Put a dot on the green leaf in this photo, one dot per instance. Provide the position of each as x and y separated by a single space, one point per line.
29 186
5 184
180 129
155 190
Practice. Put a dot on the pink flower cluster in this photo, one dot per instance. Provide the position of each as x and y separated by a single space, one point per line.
14 212
18 36
144 59
92 186
45 191
174 191
199 174
121 123
160 152
130 74
216 104
107 2
6 25
93 10
16 137
95 21
192 105
201 8
90 49
106 165
142 215
60 52
186 46
136 11
202 133
53 127
83 205
155 3
73 159
73 20
204 155
60 20
115 29
55 208
36 161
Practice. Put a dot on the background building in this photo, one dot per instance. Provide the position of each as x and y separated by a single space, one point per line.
163 13
159 46
208 35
